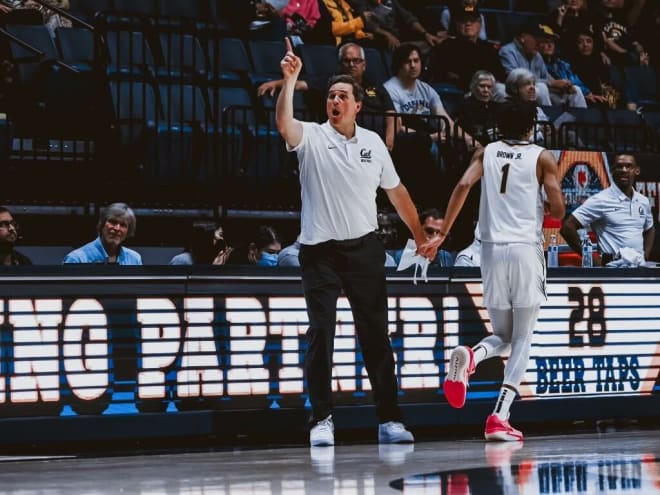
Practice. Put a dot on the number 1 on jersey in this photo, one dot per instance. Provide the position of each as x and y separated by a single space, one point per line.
505 176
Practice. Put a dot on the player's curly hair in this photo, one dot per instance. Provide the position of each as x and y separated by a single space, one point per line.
516 118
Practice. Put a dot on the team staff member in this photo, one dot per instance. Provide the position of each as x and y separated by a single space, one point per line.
513 269
620 216
341 167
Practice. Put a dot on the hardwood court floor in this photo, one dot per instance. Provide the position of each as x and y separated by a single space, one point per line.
622 463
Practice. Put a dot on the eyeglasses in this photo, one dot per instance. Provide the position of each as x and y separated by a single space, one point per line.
352 61
5 224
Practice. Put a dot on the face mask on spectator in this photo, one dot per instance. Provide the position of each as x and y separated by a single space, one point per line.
267 259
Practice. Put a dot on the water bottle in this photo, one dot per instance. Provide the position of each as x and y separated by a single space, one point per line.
553 252
587 252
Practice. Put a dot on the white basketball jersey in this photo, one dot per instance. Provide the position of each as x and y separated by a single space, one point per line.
511 207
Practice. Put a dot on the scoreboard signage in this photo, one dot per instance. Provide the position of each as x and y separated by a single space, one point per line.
223 343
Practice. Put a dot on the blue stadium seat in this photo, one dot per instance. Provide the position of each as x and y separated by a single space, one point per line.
129 55
77 47
377 72
627 131
229 64
181 135
451 96
266 57
183 58
642 85
585 128
318 60
136 111
28 60
86 9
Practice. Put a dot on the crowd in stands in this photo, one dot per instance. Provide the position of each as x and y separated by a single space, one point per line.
432 92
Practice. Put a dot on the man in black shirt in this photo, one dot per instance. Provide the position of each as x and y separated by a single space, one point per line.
457 59
8 237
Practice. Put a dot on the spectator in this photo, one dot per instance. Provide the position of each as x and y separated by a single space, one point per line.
568 20
521 85
116 224
347 24
253 19
18 13
619 41
288 256
301 17
205 246
457 59
419 136
432 222
478 113
457 8
393 24
351 61
590 68
561 70
620 216
523 52
264 251
8 237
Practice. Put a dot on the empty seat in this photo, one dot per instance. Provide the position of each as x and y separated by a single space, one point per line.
136 110
627 131
229 63
318 60
376 71
77 47
183 57
129 54
181 134
38 47
584 128
641 85
266 57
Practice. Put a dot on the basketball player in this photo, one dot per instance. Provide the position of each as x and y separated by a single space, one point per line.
512 265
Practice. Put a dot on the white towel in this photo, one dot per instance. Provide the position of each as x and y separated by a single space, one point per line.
409 257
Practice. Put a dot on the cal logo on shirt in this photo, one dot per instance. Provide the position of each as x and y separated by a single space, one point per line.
365 155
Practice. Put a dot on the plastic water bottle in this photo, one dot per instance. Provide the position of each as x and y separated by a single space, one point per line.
553 252
587 252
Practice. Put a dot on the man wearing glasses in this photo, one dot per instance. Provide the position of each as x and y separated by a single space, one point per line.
8 236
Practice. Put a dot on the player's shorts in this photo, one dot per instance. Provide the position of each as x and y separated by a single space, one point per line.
513 275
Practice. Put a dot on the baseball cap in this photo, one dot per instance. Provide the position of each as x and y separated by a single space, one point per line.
538 30
465 13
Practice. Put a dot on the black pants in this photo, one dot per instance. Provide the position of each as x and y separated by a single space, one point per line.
357 267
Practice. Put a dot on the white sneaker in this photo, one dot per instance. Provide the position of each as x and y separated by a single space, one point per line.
322 433
394 432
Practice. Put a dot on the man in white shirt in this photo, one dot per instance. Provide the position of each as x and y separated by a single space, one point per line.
620 216
341 167
512 172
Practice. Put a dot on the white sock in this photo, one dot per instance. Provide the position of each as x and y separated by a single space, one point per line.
504 401
480 353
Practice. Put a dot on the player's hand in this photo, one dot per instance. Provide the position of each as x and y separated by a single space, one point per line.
291 64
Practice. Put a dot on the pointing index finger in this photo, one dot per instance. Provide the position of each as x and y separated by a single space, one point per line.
287 41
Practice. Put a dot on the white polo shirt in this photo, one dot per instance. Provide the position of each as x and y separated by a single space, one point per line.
339 179
618 221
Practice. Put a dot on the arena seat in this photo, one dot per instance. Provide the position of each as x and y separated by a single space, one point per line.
318 60
183 58
129 55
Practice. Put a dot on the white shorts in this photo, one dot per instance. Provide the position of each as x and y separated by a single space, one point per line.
513 275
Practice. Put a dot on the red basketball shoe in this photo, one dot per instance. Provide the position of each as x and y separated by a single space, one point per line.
461 366
500 430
